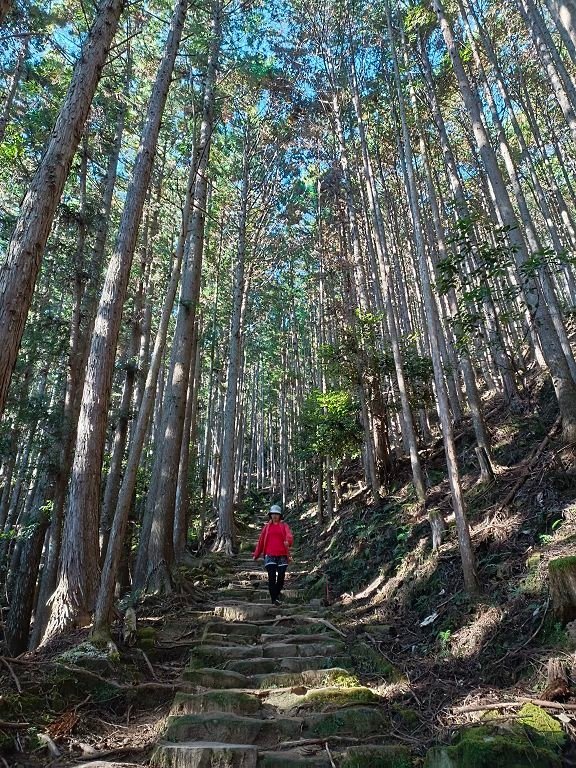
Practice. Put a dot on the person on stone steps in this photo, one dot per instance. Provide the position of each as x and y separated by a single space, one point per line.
274 543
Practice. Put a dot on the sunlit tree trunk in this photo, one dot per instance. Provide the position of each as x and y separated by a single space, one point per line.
75 595
564 385
464 540
156 550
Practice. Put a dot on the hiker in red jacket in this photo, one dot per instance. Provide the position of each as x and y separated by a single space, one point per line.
274 543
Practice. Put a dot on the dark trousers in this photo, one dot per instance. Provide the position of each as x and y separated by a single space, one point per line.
276 574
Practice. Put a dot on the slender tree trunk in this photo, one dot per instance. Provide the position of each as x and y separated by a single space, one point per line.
156 552
128 486
465 543
564 385
76 592
19 272
19 71
77 359
225 540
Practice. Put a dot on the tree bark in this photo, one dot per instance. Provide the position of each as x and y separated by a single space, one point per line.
19 272
76 592
564 385
225 540
156 550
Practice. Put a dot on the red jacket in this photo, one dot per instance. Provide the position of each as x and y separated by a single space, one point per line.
275 539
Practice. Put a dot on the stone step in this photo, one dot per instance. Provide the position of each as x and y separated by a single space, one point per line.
253 593
230 728
231 701
262 666
326 636
225 727
231 611
204 754
221 627
293 759
215 655
208 677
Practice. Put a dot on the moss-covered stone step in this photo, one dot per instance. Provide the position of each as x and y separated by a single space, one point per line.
216 655
236 702
293 635
254 611
325 699
325 648
243 611
208 677
238 630
377 756
259 594
231 728
312 678
259 666
206 754
359 721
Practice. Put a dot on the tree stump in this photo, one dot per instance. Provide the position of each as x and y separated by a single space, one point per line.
562 579
557 686
438 526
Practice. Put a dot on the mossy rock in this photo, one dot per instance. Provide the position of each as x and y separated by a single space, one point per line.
89 656
231 728
325 699
533 740
550 733
70 685
360 721
146 638
388 756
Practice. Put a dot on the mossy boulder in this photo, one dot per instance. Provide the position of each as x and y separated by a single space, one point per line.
408 716
387 756
90 656
533 740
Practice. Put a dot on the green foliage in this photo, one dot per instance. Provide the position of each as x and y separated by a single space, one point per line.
329 425
419 18
488 262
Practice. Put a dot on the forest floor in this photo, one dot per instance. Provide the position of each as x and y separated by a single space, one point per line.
414 636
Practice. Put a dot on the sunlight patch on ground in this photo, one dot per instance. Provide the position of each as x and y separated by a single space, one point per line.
469 640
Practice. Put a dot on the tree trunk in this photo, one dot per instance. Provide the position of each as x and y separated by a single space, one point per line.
156 551
19 272
225 540
126 493
77 358
76 592
465 543
19 70
564 385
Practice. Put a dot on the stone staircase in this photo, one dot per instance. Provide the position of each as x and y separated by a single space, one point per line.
269 686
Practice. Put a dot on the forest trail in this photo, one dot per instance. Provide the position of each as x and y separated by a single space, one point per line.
265 685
